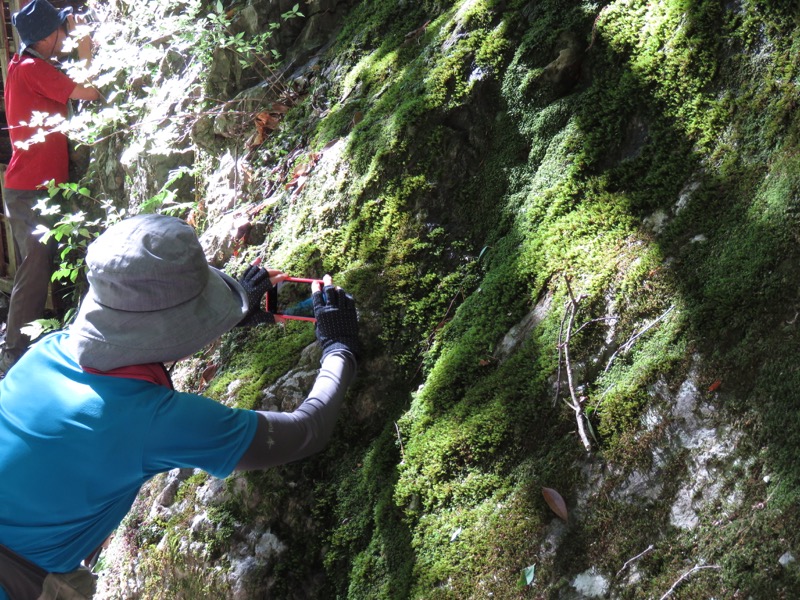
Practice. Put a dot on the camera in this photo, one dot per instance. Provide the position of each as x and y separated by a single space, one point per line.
292 300
89 16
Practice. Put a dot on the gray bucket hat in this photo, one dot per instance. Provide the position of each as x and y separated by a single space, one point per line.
152 296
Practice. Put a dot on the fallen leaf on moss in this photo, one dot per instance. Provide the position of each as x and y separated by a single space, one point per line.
527 576
555 502
714 386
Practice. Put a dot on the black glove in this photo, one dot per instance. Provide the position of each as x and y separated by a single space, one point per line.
256 284
337 322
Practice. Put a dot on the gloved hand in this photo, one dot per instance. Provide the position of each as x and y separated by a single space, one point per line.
337 322
256 283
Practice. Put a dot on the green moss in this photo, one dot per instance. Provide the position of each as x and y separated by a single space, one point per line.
622 392
369 552
189 485
272 350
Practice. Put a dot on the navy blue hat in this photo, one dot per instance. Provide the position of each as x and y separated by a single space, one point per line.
36 20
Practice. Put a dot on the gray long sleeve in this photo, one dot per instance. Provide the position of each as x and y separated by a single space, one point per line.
285 437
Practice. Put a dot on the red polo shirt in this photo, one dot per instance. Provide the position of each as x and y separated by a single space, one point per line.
35 85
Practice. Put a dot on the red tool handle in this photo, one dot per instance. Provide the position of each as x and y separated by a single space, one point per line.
280 318
303 280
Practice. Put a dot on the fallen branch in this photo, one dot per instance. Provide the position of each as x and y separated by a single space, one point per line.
634 559
686 575
560 346
576 403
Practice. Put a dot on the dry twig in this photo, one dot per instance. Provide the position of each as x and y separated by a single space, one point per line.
686 575
560 346
634 559
576 403
629 343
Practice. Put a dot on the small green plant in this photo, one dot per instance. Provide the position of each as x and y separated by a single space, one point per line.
166 199
74 230
39 327
292 13
253 51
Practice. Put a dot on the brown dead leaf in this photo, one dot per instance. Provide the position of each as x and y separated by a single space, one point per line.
555 502
302 169
247 174
266 121
306 167
279 108
256 140
269 119
254 209
208 374
196 214
298 183
243 227
241 234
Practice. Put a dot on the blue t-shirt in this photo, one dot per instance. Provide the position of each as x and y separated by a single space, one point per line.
75 448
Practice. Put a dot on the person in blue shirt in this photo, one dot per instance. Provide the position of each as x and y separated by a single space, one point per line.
88 414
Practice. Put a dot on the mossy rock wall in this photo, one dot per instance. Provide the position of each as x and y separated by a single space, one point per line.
474 173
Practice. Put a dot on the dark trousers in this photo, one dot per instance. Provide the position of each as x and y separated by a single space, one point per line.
34 267
23 580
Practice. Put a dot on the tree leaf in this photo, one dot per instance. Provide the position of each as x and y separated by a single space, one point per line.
527 576
555 502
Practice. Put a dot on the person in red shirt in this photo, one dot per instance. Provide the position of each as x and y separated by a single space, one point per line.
35 87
